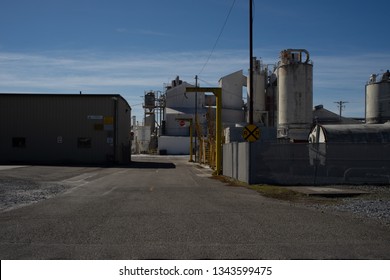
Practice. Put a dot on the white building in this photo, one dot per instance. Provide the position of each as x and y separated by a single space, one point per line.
182 105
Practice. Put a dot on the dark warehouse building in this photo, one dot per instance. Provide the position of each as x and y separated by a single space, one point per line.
64 128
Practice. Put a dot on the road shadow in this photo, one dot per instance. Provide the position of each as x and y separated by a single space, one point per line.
151 165
143 164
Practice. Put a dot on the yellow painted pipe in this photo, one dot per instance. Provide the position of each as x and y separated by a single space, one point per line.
218 122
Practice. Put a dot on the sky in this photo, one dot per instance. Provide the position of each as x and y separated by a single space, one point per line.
128 47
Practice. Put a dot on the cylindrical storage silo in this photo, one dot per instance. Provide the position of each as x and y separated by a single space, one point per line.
150 100
378 100
150 121
259 108
295 95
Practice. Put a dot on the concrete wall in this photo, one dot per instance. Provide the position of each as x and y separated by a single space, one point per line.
174 145
307 164
232 115
236 161
173 127
234 134
52 127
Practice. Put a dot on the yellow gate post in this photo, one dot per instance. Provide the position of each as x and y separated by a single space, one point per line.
218 122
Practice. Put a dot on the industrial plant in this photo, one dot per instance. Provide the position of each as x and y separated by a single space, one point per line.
294 142
282 99
261 131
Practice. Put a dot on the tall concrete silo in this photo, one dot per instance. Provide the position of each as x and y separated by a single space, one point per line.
378 99
259 99
295 94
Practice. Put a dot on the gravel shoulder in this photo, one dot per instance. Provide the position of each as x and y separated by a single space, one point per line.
16 193
373 206
24 185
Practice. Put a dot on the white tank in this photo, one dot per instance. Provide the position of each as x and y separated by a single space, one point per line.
378 99
295 94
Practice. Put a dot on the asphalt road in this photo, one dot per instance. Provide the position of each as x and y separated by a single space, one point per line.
165 208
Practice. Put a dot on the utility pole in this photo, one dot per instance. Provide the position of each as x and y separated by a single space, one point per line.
250 62
341 105
196 117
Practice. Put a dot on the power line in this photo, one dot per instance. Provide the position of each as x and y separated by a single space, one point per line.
206 82
219 36
225 92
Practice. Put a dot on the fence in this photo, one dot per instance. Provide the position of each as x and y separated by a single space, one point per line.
307 164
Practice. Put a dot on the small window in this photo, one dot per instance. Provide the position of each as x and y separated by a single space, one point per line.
19 142
84 142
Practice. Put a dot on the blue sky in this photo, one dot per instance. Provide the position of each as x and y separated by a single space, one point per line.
127 47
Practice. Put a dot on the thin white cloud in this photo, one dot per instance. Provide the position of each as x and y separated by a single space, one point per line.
57 71
335 77
344 78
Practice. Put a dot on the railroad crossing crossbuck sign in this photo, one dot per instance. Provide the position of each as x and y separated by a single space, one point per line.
251 133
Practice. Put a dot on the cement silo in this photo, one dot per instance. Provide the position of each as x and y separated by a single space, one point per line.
259 100
295 94
378 99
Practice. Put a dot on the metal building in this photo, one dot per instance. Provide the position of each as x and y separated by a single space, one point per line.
64 128
351 133
324 116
